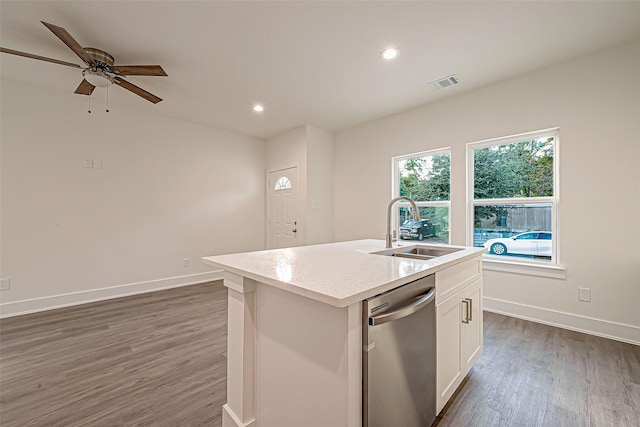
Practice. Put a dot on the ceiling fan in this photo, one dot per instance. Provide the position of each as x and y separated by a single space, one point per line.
100 69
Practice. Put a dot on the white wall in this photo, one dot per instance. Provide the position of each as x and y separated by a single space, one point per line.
287 149
167 190
319 185
596 103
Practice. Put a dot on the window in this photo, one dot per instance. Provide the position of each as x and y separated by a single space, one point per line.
282 183
425 178
513 197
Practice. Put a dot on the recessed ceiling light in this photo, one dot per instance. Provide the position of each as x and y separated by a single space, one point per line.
258 108
389 53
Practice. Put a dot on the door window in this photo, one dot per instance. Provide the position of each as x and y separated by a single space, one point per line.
282 183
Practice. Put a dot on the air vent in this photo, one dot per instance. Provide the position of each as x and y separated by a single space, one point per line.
446 82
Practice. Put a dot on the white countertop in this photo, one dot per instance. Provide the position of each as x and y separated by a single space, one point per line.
338 274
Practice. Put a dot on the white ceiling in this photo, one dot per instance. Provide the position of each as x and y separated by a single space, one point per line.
308 62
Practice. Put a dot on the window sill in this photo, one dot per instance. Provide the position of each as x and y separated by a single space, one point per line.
531 269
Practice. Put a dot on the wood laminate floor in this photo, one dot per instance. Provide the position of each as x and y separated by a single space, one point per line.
537 375
158 360
147 360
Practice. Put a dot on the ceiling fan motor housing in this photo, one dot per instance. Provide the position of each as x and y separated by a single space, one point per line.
102 58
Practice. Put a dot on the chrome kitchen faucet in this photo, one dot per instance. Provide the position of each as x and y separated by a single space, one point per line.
416 215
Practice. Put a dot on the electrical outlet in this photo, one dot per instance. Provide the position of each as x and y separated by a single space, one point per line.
5 284
185 262
584 294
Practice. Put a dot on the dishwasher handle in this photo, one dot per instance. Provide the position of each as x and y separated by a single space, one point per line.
418 303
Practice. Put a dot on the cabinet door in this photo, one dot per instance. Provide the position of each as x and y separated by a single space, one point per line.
471 306
449 372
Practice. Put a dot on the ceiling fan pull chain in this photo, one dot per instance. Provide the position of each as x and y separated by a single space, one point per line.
107 109
89 97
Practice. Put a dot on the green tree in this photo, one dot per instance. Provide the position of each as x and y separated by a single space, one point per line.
425 183
521 169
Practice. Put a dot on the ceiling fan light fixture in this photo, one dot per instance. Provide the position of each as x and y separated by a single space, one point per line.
97 78
258 108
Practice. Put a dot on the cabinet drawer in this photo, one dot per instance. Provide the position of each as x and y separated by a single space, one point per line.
452 279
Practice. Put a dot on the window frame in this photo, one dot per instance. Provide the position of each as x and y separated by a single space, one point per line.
395 188
552 268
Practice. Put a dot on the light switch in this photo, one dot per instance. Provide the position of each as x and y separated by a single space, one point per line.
5 284
97 164
88 163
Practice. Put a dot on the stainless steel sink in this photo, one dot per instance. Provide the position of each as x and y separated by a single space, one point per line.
418 252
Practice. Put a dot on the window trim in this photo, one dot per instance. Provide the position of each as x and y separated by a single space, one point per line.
395 186
553 268
531 268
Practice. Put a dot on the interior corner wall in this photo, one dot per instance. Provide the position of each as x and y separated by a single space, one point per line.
166 190
320 185
595 101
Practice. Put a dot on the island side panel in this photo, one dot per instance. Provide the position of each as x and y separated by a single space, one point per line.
354 374
239 411
308 370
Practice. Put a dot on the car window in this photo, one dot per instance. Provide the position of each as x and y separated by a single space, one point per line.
545 236
528 236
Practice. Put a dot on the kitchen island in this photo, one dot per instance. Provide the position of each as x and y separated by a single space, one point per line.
294 344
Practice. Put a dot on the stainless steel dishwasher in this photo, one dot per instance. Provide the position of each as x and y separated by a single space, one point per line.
399 357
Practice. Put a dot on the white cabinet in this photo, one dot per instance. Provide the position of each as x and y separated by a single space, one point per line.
471 325
459 327
448 360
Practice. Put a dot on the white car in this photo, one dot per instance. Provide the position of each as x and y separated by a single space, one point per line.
536 243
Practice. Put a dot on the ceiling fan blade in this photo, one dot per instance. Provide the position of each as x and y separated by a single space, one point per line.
135 89
138 70
67 39
85 88
41 58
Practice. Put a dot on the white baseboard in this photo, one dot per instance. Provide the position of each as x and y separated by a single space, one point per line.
230 419
588 325
17 308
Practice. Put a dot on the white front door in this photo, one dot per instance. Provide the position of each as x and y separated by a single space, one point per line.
283 208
